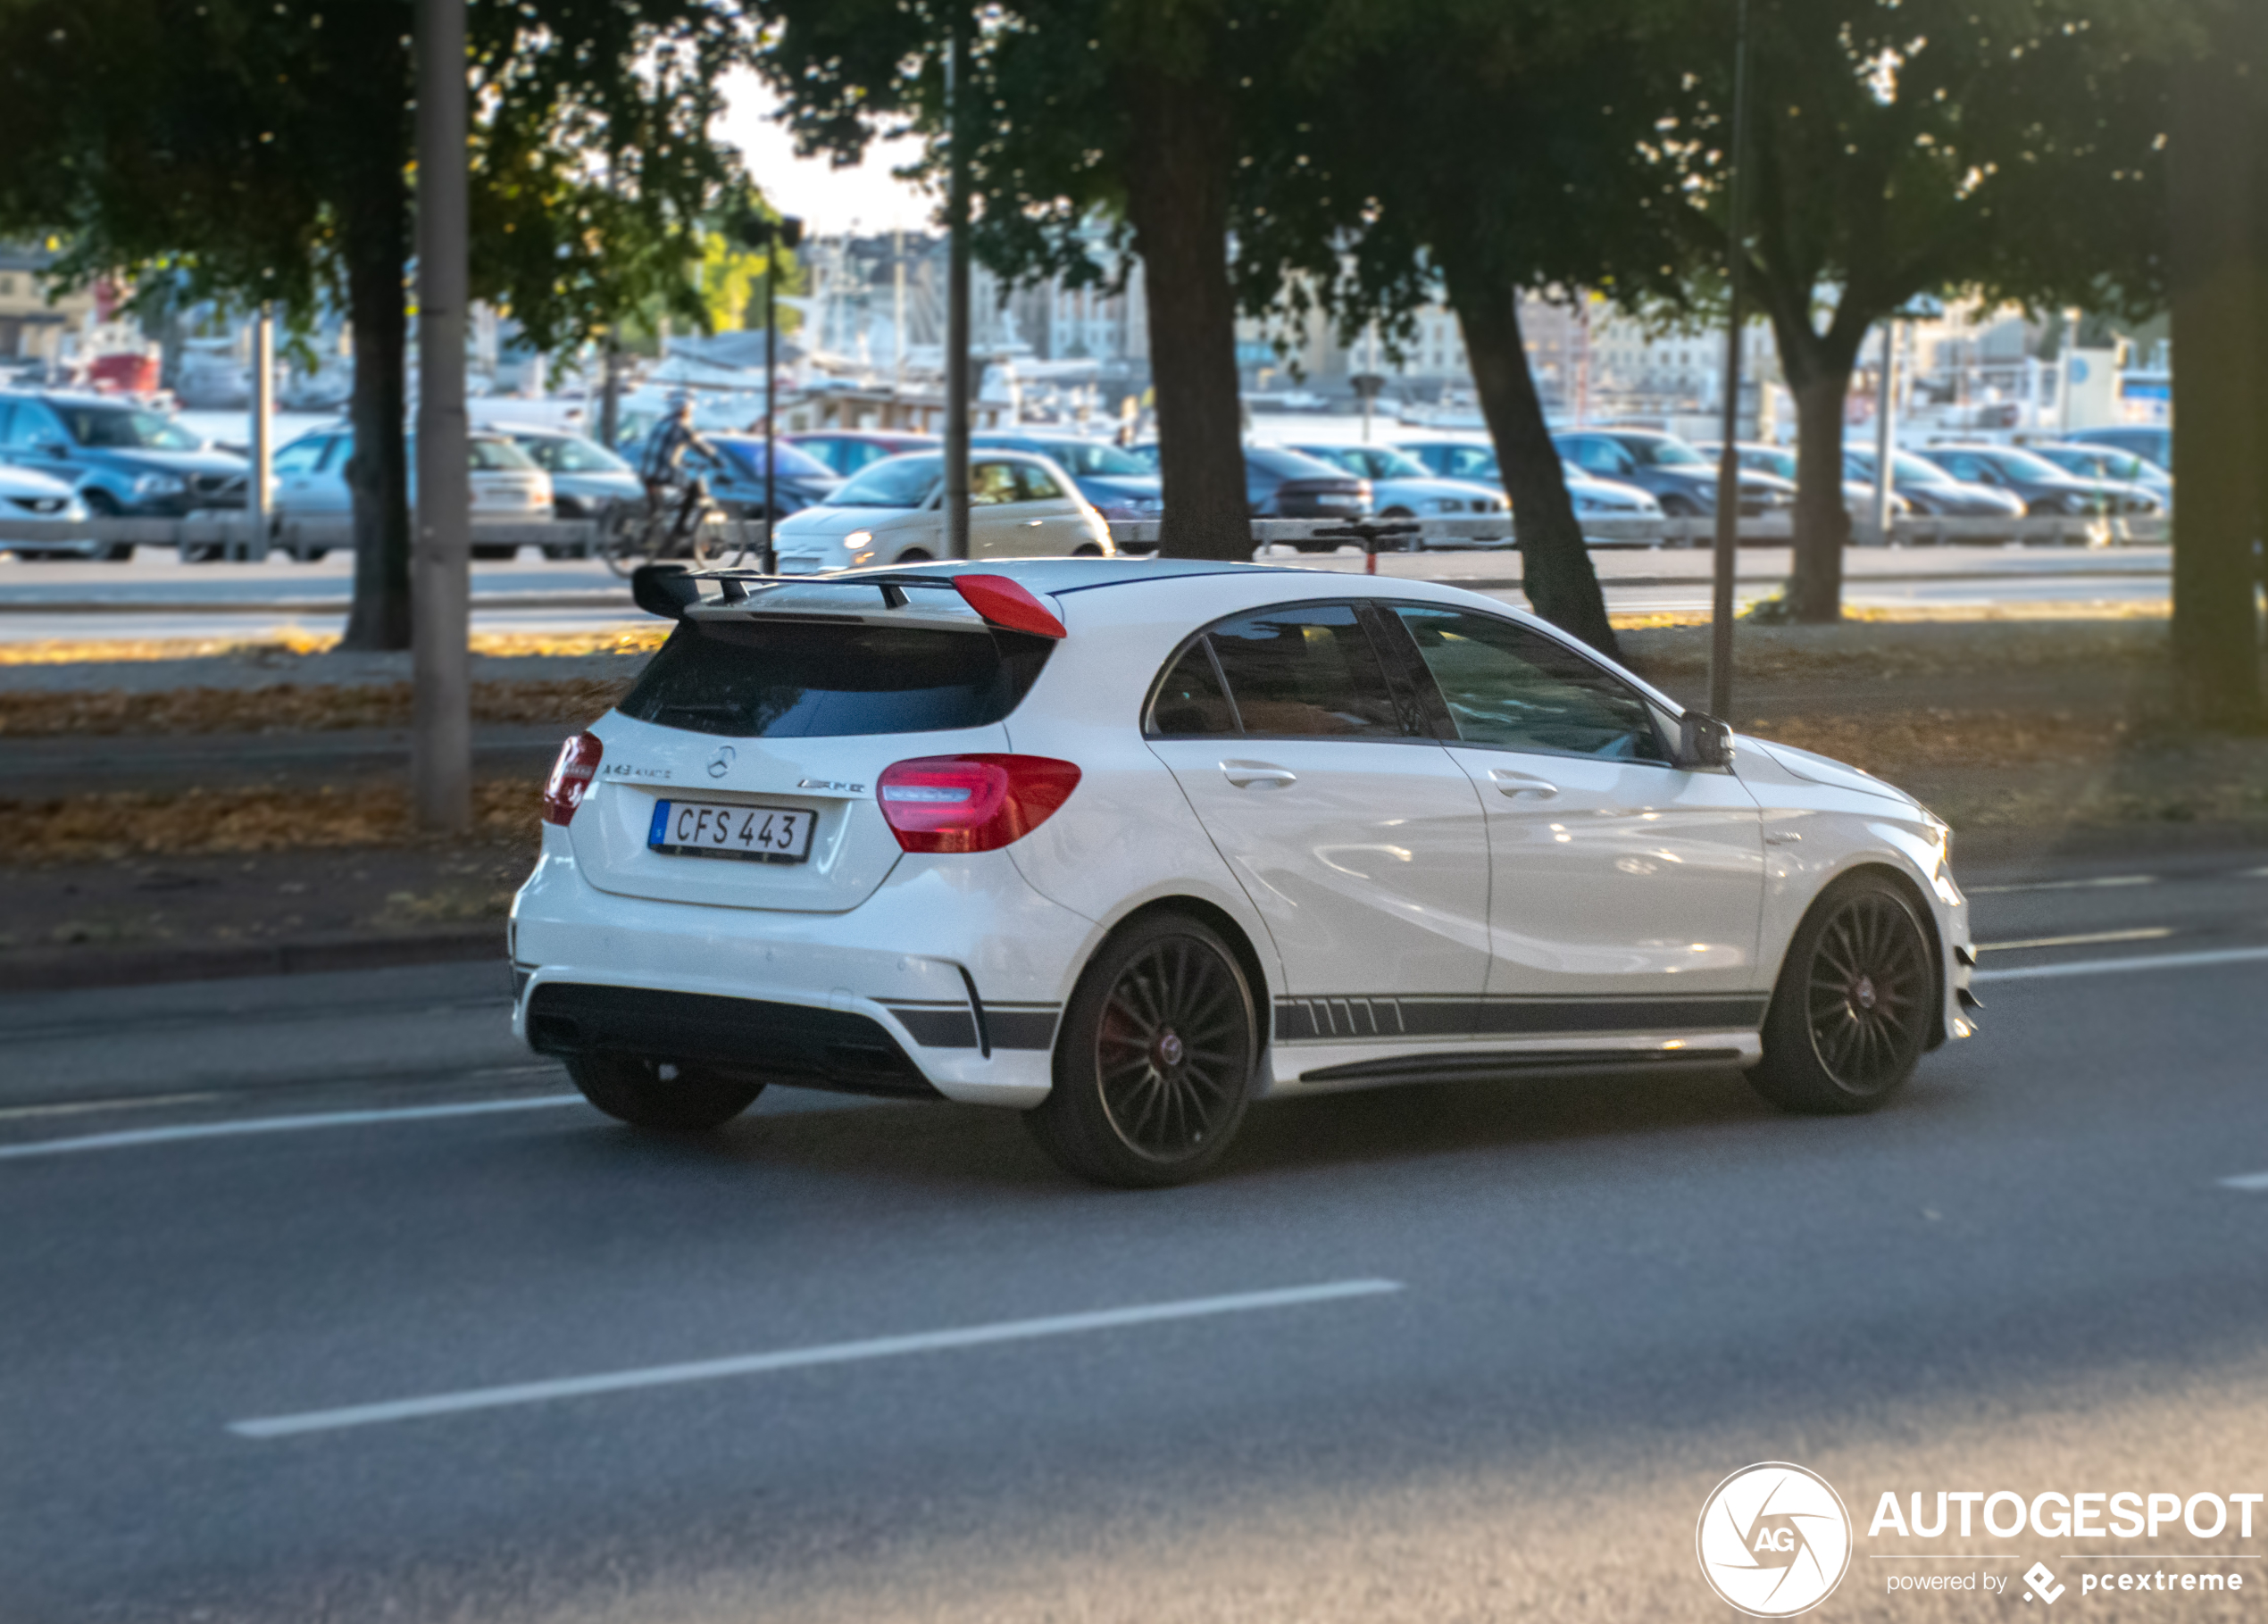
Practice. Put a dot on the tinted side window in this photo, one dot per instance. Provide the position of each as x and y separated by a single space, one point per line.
1037 484
1305 672
299 457
1511 687
1190 702
990 483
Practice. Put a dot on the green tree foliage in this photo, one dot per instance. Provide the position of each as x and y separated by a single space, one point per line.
1475 150
254 152
1148 116
2008 149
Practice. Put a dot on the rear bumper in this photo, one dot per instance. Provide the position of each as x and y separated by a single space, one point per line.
791 1044
948 980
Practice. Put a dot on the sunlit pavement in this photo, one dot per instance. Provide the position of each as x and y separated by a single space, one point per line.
237 1211
155 596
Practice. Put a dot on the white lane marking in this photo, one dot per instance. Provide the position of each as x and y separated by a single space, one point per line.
129 1137
2064 885
790 1358
2247 1181
2111 967
74 1108
2094 939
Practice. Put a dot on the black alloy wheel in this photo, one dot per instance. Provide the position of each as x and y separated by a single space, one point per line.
1851 1015
1155 1059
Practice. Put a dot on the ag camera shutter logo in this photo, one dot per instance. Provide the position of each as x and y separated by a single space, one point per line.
1774 1540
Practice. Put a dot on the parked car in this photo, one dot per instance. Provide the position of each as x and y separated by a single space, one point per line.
26 497
1116 483
1126 845
1403 487
2044 489
586 478
2153 443
1280 484
1677 476
2108 462
846 450
122 459
310 477
1927 488
1020 506
1780 460
1476 460
800 480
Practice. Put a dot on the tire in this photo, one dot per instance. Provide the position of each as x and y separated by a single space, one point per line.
661 1094
1154 1062
117 553
558 555
912 556
1087 550
311 555
1315 546
494 552
1850 1016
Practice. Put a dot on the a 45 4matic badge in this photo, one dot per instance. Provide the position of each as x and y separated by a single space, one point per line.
1774 1540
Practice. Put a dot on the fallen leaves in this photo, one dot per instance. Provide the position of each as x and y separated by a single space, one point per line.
291 708
122 824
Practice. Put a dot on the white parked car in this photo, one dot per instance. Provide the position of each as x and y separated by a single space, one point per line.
1126 845
1021 506
26 497
310 477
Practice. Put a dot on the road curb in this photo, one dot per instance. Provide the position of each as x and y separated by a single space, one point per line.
66 969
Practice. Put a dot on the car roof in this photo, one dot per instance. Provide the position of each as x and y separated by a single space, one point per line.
860 434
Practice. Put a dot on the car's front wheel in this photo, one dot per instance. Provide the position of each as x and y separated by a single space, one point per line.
660 1093
1155 1060
1851 1014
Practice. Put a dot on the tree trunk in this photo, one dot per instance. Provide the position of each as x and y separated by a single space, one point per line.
1554 565
375 248
1178 200
2217 307
1822 521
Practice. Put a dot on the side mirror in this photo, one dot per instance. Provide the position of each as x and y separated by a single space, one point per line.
665 590
1704 741
54 448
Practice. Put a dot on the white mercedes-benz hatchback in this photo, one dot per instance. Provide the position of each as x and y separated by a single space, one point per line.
1126 845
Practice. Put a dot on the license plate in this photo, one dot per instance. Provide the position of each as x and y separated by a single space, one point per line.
752 834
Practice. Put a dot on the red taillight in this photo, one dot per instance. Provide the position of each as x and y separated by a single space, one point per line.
570 777
971 802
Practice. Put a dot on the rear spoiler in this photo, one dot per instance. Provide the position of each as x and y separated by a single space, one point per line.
668 590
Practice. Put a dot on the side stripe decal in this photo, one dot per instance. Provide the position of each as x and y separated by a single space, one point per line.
1358 1016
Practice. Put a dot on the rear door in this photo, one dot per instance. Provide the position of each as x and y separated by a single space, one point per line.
741 769
1359 840
1615 874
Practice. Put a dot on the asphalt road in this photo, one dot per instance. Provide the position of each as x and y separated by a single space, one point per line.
155 596
1516 1334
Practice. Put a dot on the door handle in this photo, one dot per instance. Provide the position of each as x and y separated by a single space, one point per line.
1033 524
1780 836
1247 775
1510 783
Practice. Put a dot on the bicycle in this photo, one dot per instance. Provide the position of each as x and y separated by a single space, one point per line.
689 523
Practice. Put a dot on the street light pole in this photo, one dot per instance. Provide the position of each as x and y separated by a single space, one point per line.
779 234
440 587
263 427
1886 432
956 292
1728 548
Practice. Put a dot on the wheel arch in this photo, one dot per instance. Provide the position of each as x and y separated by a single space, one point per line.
1224 925
1933 931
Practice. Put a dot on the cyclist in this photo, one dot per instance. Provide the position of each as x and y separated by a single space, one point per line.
663 470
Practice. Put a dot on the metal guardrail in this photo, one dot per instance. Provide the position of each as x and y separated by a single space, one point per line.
207 537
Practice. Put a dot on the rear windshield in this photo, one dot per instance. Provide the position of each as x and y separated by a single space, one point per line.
788 680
